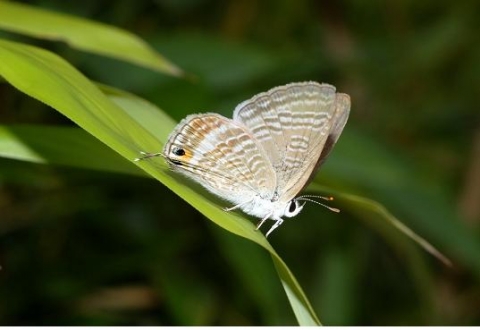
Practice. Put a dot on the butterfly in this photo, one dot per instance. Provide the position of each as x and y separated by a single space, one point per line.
267 154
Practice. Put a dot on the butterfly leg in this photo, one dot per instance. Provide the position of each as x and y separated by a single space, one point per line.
260 223
278 222
234 207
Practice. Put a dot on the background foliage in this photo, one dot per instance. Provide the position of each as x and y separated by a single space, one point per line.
81 246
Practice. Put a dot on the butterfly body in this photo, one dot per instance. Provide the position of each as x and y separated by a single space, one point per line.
262 158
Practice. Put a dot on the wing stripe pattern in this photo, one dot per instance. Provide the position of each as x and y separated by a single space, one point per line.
292 124
222 156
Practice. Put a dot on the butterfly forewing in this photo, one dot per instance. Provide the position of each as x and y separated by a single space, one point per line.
292 123
342 110
222 156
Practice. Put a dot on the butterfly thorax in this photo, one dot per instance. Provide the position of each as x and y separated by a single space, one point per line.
266 208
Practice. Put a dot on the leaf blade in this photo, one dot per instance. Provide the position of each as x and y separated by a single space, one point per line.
51 80
84 35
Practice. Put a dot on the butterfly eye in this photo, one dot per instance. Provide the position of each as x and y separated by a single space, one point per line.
179 152
292 207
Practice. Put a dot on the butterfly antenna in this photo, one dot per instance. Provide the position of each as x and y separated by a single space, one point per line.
146 155
308 199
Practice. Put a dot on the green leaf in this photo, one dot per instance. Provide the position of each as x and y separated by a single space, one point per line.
408 192
51 80
78 148
83 34
380 213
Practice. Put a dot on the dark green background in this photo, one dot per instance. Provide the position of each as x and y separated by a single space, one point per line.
92 248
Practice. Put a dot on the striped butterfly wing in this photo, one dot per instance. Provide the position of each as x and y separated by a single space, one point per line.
222 156
297 125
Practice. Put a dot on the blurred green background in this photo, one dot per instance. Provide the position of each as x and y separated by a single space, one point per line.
82 247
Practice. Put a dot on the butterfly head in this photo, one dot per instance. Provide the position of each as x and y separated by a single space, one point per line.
293 208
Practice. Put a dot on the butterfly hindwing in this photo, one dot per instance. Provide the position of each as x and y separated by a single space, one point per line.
222 156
